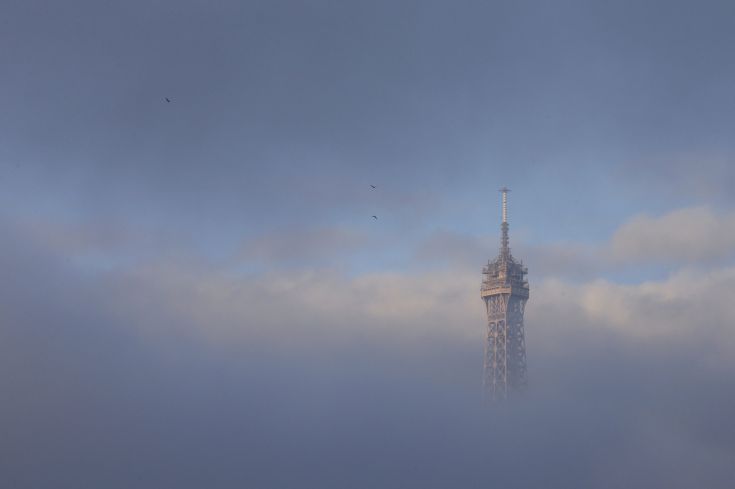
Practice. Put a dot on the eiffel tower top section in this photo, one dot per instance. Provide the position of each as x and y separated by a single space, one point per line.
504 275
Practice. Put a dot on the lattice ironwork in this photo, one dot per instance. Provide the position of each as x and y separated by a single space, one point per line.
505 292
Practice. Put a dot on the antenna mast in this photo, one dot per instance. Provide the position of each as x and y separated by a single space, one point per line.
504 244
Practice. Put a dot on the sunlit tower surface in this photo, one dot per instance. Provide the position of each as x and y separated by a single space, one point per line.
505 292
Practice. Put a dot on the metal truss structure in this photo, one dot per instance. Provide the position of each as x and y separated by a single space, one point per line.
505 292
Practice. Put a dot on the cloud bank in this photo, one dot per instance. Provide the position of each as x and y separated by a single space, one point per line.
184 374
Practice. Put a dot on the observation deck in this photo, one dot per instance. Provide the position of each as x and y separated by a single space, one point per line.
504 276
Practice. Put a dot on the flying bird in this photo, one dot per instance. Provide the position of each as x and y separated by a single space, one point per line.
373 186
168 100
375 217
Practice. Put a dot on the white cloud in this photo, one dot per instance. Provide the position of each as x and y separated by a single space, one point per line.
301 307
326 308
694 234
690 306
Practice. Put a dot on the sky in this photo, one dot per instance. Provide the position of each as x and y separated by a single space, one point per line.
196 294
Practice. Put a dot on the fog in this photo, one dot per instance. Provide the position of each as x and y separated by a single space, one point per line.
153 378
194 293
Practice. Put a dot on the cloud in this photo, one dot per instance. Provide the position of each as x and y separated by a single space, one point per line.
689 235
682 237
303 246
172 369
569 260
688 302
319 307
180 373
467 252
445 247
705 174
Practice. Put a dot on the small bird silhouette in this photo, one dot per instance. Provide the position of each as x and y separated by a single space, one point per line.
373 186
375 217
168 100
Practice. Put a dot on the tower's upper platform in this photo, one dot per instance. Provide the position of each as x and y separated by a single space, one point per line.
504 275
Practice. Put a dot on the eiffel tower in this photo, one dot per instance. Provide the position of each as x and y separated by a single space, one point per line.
505 292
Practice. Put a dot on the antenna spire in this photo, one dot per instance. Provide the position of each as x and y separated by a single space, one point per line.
504 244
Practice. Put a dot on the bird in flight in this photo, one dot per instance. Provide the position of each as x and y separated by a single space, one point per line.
373 186
375 217
168 100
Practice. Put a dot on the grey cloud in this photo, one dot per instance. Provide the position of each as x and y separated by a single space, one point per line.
444 247
269 99
176 374
696 174
469 252
571 260
173 369
304 246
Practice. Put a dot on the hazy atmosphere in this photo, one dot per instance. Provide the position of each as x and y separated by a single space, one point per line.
202 288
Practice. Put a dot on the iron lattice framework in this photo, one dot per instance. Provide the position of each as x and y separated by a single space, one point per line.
505 292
